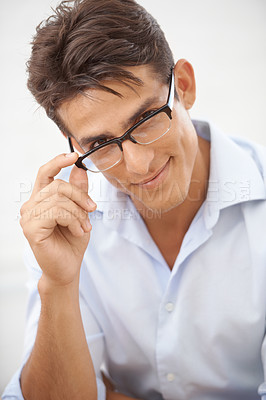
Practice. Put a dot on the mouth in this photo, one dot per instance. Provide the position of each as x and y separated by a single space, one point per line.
156 178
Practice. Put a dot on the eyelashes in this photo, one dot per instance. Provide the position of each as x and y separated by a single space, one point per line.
98 143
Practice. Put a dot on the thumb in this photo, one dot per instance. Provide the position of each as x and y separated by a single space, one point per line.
79 178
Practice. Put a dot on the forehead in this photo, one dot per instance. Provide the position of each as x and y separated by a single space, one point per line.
95 110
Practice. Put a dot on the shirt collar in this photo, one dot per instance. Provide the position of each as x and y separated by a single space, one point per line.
234 177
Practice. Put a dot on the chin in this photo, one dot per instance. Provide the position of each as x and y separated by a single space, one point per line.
158 203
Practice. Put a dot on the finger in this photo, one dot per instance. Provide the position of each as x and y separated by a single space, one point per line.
49 170
57 202
79 178
73 223
38 229
65 190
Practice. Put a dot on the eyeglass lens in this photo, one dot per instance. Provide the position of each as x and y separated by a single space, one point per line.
146 133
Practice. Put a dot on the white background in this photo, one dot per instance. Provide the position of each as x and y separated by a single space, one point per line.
225 40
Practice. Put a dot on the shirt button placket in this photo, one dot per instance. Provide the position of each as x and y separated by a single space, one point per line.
167 367
169 306
170 377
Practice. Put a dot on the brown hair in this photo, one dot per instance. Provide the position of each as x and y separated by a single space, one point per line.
88 41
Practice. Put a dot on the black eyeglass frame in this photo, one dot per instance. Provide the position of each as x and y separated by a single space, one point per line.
167 108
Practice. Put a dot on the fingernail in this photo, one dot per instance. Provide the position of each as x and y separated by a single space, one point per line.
88 224
69 155
91 203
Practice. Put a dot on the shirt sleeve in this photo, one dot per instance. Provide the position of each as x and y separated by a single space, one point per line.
93 332
262 388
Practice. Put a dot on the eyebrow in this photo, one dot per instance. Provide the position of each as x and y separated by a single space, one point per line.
142 108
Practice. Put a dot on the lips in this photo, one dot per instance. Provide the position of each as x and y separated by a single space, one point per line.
153 177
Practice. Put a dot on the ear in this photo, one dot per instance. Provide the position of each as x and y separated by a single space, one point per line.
185 83
75 144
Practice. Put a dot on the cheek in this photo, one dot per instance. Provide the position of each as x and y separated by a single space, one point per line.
115 180
184 136
184 151
184 165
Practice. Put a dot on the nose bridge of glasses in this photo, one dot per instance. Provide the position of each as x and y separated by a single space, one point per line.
125 136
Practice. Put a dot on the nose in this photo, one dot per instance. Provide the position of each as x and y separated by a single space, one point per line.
137 157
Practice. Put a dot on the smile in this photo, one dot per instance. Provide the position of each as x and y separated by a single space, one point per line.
156 179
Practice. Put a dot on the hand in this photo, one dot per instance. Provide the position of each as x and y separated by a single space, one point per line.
55 220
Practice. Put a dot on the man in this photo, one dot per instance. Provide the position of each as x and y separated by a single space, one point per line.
148 256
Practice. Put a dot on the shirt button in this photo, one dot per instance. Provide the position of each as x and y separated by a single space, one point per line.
169 307
170 377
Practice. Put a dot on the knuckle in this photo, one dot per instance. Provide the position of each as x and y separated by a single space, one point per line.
60 185
59 182
24 208
60 213
42 169
59 197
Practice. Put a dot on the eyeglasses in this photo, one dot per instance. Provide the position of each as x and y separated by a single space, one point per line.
149 129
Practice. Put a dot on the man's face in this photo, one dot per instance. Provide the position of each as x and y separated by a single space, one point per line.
156 176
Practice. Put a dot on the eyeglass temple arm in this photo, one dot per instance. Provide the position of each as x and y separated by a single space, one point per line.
171 96
70 144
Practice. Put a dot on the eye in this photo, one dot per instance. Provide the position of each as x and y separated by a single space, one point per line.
98 143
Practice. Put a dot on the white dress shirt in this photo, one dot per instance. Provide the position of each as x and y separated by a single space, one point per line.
193 333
